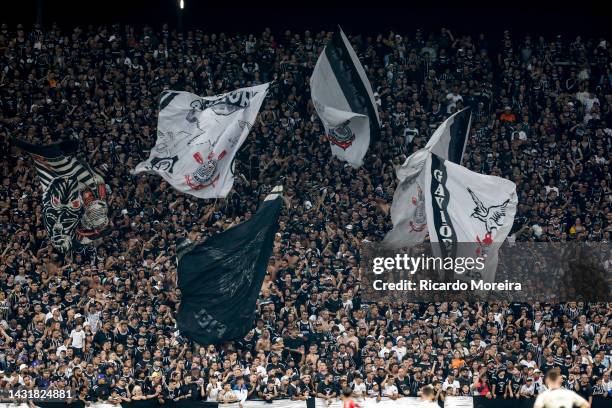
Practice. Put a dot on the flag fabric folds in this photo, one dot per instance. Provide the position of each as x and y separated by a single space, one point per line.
74 195
450 138
220 279
344 101
468 214
408 206
407 210
198 138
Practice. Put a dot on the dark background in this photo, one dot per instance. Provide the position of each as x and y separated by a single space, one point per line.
589 19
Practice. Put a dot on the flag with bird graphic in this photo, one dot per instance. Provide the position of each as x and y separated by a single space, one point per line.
468 214
408 208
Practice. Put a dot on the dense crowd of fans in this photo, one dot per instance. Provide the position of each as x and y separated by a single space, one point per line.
102 321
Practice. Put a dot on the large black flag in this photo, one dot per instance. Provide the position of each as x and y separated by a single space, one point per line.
220 279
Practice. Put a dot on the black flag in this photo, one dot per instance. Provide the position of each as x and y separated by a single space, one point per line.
220 279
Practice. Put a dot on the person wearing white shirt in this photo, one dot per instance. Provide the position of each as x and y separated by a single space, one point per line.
359 387
400 348
589 102
212 389
556 396
452 98
386 349
450 382
389 388
78 338
527 390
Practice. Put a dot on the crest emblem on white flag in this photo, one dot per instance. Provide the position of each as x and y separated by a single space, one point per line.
344 101
448 142
198 138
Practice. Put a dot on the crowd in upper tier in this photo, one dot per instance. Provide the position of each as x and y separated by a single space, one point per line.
102 320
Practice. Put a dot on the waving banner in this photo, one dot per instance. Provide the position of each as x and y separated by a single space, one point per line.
466 207
74 195
220 278
408 208
343 99
198 137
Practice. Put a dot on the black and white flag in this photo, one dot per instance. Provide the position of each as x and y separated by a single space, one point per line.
198 137
408 207
74 195
220 279
468 214
343 99
450 138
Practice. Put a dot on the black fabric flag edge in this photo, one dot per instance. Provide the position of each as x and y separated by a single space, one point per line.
220 278
352 85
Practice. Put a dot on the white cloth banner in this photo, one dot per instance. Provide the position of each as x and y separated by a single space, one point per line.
407 402
198 137
468 214
408 207
344 101
459 402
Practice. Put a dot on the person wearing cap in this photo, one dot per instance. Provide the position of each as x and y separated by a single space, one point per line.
101 390
294 389
527 390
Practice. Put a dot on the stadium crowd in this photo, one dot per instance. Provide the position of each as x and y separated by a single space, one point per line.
101 321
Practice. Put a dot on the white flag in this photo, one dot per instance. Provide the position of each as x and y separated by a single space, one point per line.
468 214
343 98
408 207
198 137
407 210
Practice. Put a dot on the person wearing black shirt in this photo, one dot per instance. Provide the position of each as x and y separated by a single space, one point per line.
121 389
500 384
274 364
268 391
418 382
584 389
464 378
402 382
334 303
174 391
190 390
101 391
294 345
103 335
515 384
327 389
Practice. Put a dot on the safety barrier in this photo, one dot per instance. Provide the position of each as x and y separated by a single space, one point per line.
408 402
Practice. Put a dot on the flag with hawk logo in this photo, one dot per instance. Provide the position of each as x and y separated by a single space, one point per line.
220 278
408 207
468 214
74 195
343 99
198 138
